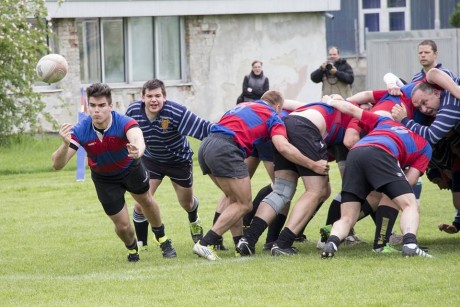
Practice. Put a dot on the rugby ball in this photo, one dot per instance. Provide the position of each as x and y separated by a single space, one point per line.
52 68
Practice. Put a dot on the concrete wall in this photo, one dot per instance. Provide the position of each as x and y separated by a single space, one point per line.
220 50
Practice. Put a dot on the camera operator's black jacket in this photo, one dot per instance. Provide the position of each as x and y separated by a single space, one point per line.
340 83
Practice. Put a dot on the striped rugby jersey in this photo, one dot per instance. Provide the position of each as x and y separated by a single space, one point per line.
409 148
107 156
165 137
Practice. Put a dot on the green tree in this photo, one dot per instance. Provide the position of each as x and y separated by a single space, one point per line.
454 19
23 33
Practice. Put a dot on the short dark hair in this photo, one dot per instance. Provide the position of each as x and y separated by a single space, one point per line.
99 90
154 84
257 61
429 42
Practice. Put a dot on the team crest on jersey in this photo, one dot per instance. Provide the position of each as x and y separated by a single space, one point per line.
165 123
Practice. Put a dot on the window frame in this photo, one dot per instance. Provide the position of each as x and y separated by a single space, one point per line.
127 47
384 19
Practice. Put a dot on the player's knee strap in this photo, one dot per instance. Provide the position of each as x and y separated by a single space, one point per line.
283 192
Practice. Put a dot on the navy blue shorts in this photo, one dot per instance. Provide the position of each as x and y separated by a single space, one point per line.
179 172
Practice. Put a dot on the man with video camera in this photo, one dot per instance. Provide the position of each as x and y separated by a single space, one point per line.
336 75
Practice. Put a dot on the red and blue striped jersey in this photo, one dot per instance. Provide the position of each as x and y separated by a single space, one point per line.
409 148
385 101
107 156
250 123
336 122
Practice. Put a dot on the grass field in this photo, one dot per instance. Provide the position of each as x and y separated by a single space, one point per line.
59 249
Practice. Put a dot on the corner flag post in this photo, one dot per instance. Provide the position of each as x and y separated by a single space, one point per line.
81 153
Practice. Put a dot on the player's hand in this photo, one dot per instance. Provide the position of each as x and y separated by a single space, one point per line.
64 132
398 112
394 90
133 151
321 167
326 98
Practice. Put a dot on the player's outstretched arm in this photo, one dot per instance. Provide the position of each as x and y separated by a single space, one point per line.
346 107
440 78
64 153
136 145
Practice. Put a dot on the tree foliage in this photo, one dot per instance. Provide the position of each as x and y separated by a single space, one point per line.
454 19
23 33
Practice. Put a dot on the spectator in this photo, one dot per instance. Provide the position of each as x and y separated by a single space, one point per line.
255 84
336 75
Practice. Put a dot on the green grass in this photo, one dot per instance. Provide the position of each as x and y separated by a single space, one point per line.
59 248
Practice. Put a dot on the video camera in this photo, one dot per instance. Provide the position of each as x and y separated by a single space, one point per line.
329 65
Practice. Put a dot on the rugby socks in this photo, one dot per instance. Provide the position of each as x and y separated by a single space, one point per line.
274 229
211 238
193 215
409 238
417 188
385 220
159 232
141 226
335 240
286 238
216 216
333 214
366 210
236 239
265 191
254 232
133 246
456 221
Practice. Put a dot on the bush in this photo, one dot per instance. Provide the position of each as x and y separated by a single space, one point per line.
23 34
454 19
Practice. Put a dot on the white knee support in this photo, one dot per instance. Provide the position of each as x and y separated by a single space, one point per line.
283 192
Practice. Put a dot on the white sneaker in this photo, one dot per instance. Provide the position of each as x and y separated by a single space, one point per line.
207 252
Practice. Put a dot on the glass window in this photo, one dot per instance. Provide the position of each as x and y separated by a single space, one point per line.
112 38
372 22
90 51
168 47
371 4
141 55
135 49
397 21
396 3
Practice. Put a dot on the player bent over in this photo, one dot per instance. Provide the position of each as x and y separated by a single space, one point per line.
392 147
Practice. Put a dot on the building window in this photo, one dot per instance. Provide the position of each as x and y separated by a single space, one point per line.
397 21
130 50
382 16
371 22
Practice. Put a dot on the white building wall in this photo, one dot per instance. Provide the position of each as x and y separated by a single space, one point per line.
220 49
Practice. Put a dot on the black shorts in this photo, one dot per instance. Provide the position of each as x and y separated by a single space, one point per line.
221 157
111 189
264 151
180 172
338 152
305 136
371 168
